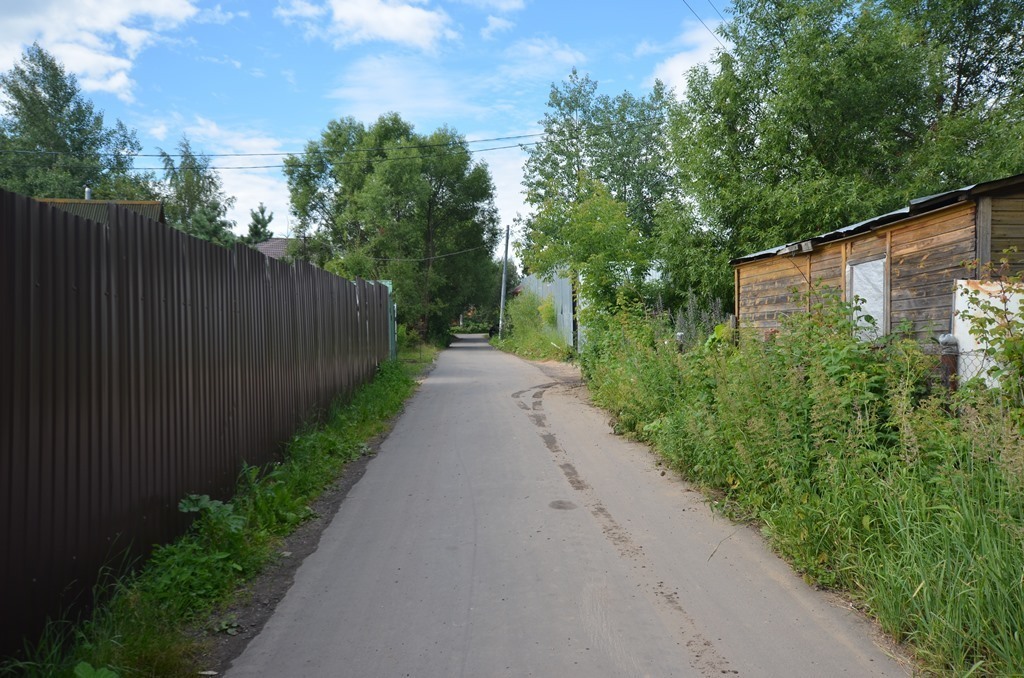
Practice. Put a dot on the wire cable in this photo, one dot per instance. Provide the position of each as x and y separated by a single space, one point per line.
716 10
713 34
436 256
454 146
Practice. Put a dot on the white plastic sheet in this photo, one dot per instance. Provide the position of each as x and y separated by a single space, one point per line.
867 288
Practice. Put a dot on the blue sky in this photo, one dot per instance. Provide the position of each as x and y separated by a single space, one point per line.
266 77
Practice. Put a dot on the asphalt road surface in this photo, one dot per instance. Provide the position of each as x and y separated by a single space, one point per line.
503 530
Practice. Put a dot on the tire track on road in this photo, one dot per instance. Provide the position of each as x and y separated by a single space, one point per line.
705 658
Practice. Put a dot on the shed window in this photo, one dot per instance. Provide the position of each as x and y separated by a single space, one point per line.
866 285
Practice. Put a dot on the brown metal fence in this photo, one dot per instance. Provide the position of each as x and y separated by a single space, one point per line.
138 365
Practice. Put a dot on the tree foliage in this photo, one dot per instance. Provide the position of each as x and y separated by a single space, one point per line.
259 226
826 112
595 184
384 202
53 143
194 199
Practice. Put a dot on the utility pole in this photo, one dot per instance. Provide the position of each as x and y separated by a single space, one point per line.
504 278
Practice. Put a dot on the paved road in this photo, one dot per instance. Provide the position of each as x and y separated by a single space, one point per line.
503 531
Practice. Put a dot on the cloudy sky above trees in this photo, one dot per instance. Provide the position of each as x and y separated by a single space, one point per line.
249 82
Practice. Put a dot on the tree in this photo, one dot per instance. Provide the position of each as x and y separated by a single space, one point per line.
383 202
194 200
593 241
825 112
604 161
259 226
52 141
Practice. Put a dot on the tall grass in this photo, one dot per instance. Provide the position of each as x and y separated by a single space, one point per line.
146 626
862 471
531 329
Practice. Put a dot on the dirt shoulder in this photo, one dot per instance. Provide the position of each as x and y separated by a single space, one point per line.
229 630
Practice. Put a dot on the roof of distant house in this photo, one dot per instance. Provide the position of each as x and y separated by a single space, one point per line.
96 210
275 248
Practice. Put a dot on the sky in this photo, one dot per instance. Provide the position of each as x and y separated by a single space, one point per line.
264 78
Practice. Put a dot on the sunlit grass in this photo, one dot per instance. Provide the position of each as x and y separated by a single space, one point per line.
147 624
864 473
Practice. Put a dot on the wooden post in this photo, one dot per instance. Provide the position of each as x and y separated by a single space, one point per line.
843 272
736 292
983 233
887 286
950 352
809 286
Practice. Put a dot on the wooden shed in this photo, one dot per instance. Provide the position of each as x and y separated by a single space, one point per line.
904 262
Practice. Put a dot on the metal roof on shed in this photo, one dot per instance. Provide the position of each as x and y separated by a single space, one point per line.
916 207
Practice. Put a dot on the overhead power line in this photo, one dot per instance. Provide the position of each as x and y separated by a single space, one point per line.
293 153
454 146
436 256
716 10
713 34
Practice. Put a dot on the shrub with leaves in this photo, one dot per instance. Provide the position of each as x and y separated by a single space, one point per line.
996 317
861 473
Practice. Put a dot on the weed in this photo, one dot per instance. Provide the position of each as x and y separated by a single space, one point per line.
144 627
530 329
861 475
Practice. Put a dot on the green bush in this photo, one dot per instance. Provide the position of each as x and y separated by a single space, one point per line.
145 625
861 472
531 330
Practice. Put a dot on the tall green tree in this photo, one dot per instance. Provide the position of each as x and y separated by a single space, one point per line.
53 143
384 202
259 226
825 112
597 150
194 199
593 241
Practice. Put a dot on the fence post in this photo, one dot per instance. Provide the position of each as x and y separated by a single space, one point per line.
949 352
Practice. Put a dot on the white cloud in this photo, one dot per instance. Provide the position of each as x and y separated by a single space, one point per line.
358 21
540 59
158 131
249 184
117 83
95 39
695 45
217 15
299 10
222 61
646 47
134 39
422 95
506 167
497 5
495 25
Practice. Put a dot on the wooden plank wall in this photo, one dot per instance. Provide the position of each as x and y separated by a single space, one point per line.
928 254
765 290
1008 230
924 256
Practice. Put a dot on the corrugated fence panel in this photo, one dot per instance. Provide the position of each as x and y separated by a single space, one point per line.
140 365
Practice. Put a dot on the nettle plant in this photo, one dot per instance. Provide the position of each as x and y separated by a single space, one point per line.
996 317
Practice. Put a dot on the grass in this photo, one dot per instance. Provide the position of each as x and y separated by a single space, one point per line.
531 331
146 627
863 473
